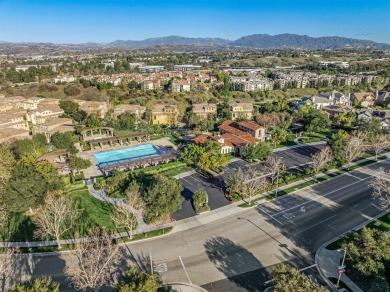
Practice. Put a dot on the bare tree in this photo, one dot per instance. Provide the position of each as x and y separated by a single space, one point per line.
4 215
321 159
123 217
7 263
97 258
276 168
381 186
133 196
382 143
56 217
352 152
254 182
246 183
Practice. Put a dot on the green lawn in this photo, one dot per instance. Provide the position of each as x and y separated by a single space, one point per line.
95 212
382 223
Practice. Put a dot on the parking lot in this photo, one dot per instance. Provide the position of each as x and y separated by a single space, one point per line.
294 158
194 182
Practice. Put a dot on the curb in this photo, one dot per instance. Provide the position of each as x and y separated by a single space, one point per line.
330 284
187 285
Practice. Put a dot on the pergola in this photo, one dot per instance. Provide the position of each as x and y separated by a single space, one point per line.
121 140
89 134
139 163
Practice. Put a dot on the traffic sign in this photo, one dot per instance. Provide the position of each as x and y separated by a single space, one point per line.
342 267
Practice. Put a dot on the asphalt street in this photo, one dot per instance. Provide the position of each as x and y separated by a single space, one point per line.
236 253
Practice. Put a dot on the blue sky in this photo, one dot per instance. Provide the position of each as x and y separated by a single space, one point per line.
79 21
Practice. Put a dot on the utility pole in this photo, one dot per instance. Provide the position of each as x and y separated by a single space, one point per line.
151 260
341 269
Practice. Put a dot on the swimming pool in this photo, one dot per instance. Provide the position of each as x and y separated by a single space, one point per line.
115 156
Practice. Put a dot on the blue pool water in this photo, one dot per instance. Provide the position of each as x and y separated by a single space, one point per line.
115 156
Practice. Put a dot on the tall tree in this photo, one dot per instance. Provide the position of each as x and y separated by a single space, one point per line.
135 281
56 217
367 250
97 258
78 163
162 196
287 278
278 136
338 143
381 186
381 143
257 151
7 163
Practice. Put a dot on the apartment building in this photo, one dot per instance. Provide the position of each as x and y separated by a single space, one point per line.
53 125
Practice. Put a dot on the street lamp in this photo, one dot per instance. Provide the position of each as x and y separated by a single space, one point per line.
342 267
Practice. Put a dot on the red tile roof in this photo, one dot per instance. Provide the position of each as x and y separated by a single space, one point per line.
250 125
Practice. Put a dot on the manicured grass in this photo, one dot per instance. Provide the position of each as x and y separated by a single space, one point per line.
176 171
384 222
310 140
95 212
70 187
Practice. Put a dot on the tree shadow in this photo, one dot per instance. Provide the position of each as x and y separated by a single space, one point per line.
21 228
234 262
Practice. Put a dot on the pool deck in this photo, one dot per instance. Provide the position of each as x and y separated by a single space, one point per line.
94 171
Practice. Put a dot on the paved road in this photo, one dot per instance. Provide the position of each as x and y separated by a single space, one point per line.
237 252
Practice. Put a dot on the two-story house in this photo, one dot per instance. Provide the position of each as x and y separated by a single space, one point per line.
165 114
242 110
203 110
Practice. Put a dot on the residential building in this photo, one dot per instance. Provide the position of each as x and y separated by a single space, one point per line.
99 108
42 112
180 85
381 96
334 111
54 125
136 109
165 114
64 78
203 110
234 137
242 110
10 134
365 99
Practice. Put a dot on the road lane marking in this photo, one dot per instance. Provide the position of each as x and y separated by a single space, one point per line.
318 197
314 225
185 270
261 209
186 181
354 176
309 267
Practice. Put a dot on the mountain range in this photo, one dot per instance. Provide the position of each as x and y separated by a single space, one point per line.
255 41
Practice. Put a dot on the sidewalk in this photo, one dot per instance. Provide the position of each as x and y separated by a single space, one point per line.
188 223
328 260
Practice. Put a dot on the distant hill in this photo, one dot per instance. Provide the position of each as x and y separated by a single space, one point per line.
255 41
294 41
167 41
